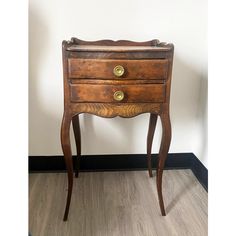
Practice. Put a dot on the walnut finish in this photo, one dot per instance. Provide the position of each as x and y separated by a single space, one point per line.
151 130
105 93
116 78
103 68
76 129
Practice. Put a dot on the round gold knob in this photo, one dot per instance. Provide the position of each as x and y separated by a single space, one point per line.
118 71
118 95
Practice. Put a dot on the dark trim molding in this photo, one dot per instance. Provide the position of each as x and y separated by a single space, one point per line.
200 171
121 162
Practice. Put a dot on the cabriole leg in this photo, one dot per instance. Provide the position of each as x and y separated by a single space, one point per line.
151 130
164 148
76 129
66 147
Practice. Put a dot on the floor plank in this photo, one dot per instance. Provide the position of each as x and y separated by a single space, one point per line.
117 204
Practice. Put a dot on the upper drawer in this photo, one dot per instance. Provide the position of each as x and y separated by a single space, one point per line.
113 69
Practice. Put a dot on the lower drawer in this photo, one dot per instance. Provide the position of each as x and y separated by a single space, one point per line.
117 93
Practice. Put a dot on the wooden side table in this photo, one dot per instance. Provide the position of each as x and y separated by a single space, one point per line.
116 78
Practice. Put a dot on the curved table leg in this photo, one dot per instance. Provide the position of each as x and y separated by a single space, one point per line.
76 129
66 147
164 148
151 130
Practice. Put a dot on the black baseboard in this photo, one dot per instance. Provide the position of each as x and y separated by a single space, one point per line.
121 163
200 171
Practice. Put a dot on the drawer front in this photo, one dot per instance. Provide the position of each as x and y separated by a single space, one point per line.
105 69
113 93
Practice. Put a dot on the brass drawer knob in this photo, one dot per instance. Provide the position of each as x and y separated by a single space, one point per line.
118 95
118 70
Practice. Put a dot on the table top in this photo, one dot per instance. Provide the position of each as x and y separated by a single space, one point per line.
102 48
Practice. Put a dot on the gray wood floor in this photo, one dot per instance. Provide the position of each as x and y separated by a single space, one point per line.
117 204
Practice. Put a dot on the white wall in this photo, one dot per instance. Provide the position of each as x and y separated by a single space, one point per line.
182 22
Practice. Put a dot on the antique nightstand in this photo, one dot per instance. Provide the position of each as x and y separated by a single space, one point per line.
116 78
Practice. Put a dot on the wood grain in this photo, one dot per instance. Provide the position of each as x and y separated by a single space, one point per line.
118 204
116 48
114 82
163 152
125 110
76 130
103 69
151 131
104 93
66 148
94 61
119 55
